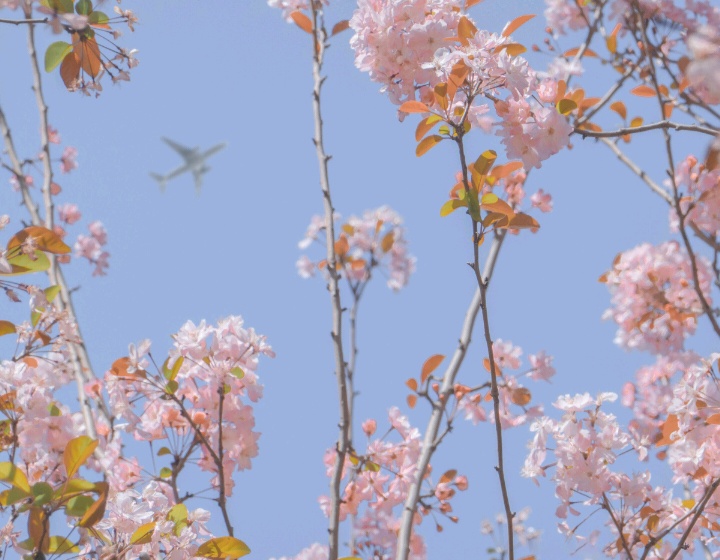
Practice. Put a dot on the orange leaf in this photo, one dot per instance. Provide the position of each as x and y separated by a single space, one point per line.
426 144
637 121
120 369
520 396
414 107
302 21
573 52
523 221
412 384
643 91
425 125
514 24
70 70
669 426
88 53
412 400
502 171
387 241
714 419
342 246
619 108
340 26
499 206
466 30
430 365
471 3
45 240
441 97
448 476
668 109
513 49
97 510
457 77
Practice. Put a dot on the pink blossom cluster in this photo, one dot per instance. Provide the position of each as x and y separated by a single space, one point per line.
394 41
654 301
376 240
703 71
514 397
564 15
131 509
91 248
585 444
524 534
410 48
700 192
651 394
69 213
212 390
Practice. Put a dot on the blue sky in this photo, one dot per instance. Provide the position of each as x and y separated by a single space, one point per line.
235 71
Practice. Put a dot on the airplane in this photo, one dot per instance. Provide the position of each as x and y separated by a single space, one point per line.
194 161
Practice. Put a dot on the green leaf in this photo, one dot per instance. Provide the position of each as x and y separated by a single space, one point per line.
473 205
77 506
237 372
60 6
178 515
78 451
54 410
171 373
42 492
23 264
171 387
35 317
55 54
84 7
51 292
163 451
165 472
98 18
143 534
223 547
12 496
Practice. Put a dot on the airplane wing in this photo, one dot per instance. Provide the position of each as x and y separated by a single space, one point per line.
213 150
175 172
186 153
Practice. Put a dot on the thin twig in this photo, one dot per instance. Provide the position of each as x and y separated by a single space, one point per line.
665 125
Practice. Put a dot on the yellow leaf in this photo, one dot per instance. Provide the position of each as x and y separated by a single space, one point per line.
637 121
688 504
302 21
143 534
485 162
451 205
222 548
426 144
510 28
77 451
566 106
6 327
10 473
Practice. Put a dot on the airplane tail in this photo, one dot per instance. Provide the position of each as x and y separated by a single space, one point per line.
160 179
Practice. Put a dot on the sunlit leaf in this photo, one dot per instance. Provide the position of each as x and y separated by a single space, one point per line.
451 205
484 163
441 98
637 121
98 19
6 327
372 466
38 528
96 511
471 3
426 144
44 239
412 400
414 107
430 365
502 171
77 451
11 474
520 396
77 506
143 534
223 547
61 545
412 384
466 30
88 53
302 21
499 206
425 126
513 49
55 54
387 241
574 51
510 28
